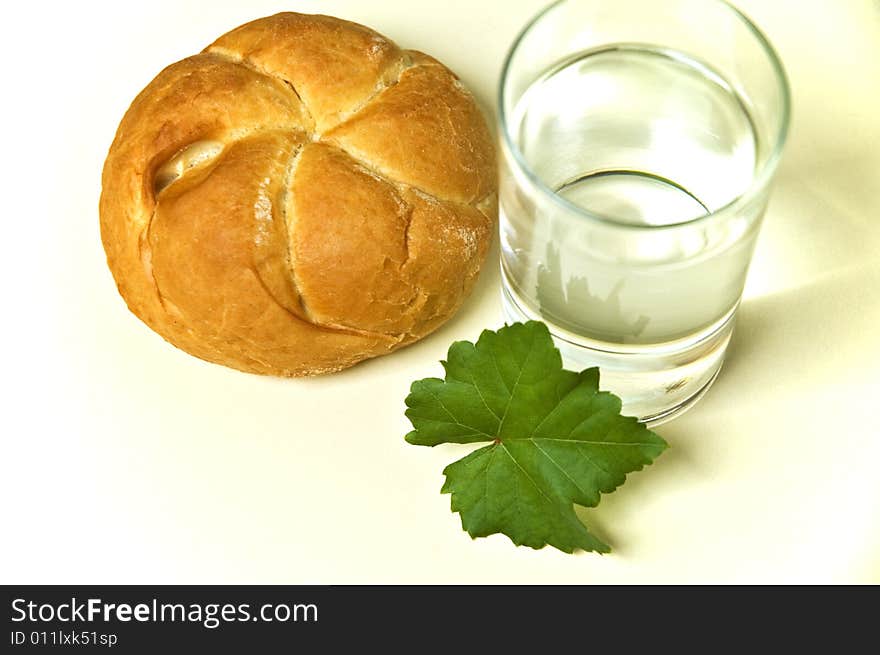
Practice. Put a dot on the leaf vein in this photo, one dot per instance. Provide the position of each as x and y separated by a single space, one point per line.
515 384
564 472
526 474
591 442
483 400
454 419
559 402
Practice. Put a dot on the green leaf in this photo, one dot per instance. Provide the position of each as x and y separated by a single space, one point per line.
555 439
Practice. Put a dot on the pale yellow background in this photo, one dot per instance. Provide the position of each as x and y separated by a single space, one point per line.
125 460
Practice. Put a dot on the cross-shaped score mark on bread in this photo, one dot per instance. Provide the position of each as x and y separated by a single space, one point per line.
299 197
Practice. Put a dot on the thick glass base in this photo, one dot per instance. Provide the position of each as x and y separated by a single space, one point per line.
656 382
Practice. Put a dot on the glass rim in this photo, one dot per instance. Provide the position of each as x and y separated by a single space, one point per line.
758 183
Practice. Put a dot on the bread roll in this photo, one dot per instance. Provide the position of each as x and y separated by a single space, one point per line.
300 196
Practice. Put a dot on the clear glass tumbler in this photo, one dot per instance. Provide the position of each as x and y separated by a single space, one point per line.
639 139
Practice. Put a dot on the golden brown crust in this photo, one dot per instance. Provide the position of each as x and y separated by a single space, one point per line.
352 240
335 65
425 131
301 196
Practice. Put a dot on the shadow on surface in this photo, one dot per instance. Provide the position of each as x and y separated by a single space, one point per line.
676 462
819 327
800 338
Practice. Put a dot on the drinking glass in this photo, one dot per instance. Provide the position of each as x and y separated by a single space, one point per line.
638 143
